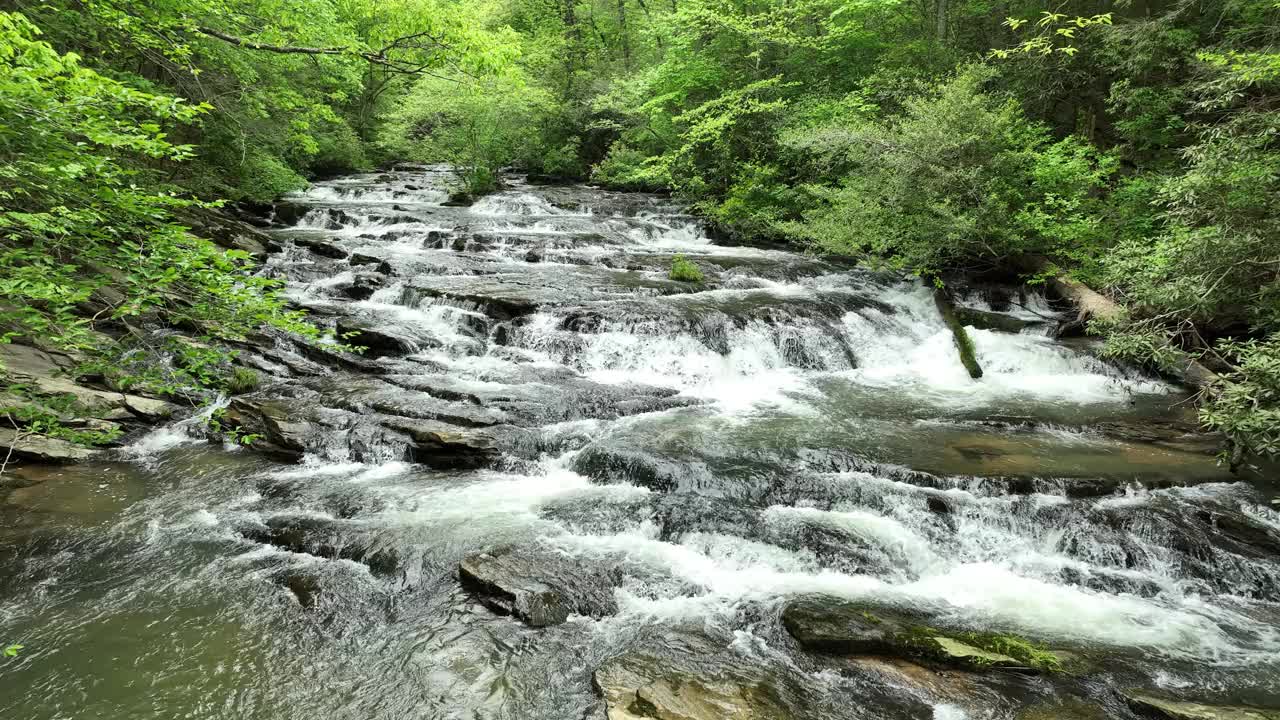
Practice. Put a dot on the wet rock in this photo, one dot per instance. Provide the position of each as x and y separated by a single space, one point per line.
377 342
363 259
364 285
538 585
325 538
1169 709
634 691
289 213
510 295
539 396
830 625
362 395
38 448
1172 434
682 673
1242 529
840 627
228 231
1065 709
283 431
321 247
986 320
306 588
443 446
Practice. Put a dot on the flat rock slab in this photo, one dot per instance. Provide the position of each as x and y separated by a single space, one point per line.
1170 709
38 448
537 585
840 627
637 691
510 295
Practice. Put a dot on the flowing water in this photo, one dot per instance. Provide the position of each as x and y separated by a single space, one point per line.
699 453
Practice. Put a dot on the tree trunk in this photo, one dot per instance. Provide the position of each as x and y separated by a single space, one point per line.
942 21
623 34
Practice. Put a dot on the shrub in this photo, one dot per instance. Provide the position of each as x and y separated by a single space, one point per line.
683 270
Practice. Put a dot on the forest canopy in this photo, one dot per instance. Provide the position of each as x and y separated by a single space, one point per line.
1132 146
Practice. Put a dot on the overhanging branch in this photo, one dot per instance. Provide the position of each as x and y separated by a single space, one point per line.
378 58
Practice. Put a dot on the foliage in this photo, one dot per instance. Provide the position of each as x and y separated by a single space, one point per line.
1135 146
1016 647
683 270
476 127
52 415
960 179
1247 408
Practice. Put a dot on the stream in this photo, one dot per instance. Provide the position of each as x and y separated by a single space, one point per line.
673 462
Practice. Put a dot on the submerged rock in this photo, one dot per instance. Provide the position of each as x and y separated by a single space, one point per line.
1169 709
639 691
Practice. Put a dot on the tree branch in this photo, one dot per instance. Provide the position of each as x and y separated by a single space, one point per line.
377 58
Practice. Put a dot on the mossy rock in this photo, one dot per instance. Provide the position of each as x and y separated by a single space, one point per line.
839 627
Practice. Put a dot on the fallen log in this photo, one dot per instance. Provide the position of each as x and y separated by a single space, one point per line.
964 344
1091 304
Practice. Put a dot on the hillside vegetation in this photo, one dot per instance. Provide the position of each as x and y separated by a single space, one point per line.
1131 147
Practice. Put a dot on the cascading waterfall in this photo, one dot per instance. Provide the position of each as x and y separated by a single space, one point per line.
536 386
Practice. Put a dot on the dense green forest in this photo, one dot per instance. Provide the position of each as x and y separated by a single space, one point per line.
1132 147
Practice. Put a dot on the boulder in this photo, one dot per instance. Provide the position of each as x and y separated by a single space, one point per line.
364 285
289 213
378 343
282 430
321 247
443 446
322 537
537 585
1169 709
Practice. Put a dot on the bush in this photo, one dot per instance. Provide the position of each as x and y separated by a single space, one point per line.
684 270
478 128
626 168
961 181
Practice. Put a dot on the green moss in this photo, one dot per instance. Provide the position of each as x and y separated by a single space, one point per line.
964 344
925 641
1015 647
683 270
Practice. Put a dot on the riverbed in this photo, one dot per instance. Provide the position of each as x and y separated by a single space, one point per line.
679 461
